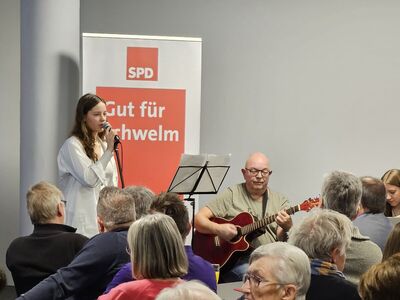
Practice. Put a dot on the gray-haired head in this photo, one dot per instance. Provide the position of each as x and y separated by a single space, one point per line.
341 192
290 265
143 198
115 208
373 195
321 232
42 202
189 290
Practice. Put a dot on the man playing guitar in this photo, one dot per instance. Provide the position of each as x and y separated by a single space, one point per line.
252 196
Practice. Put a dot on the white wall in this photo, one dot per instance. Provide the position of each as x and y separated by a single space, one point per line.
314 84
9 124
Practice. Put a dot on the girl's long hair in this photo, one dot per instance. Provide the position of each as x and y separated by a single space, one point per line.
80 130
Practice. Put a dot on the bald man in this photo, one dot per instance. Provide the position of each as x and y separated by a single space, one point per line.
252 196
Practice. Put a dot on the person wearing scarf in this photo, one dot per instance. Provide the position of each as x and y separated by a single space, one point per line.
324 236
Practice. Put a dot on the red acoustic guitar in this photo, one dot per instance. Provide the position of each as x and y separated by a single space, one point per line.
218 251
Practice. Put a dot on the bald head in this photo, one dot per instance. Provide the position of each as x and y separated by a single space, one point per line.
256 174
257 158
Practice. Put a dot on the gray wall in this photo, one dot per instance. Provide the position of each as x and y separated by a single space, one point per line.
9 123
313 84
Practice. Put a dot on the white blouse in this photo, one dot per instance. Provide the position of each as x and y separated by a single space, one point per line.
81 181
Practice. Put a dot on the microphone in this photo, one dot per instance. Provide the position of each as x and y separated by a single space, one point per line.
117 140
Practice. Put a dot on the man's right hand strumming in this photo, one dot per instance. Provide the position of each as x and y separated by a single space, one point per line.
226 231
205 225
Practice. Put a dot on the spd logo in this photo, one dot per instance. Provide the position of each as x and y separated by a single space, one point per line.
142 63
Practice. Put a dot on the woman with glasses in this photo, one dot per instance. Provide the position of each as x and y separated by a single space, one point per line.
324 236
277 271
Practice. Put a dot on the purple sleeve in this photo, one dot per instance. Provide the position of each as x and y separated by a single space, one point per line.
123 275
200 269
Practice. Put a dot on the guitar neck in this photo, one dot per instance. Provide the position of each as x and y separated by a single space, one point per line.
267 220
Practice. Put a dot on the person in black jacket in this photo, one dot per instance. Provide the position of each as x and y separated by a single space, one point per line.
87 276
52 244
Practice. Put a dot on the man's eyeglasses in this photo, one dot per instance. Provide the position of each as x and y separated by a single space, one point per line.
64 202
254 172
256 281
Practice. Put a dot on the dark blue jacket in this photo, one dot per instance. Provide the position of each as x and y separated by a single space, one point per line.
87 276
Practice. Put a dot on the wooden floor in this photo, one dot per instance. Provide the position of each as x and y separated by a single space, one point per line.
8 293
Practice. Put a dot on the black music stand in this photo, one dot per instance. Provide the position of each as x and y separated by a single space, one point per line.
199 174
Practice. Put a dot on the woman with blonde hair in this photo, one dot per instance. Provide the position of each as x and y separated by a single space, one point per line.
86 164
158 259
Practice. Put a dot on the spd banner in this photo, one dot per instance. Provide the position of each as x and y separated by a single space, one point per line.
152 86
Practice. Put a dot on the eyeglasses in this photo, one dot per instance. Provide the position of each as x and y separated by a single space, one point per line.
64 202
254 172
255 280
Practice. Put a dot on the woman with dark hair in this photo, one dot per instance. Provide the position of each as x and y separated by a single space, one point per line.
391 179
86 164
392 245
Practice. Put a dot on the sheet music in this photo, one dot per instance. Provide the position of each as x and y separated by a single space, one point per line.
215 173
190 168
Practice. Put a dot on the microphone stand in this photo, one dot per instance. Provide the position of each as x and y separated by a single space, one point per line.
121 176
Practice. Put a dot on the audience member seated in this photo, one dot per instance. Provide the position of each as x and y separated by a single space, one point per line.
324 236
381 281
143 198
393 243
277 271
3 279
190 290
391 179
371 220
341 192
200 269
52 244
159 258
86 277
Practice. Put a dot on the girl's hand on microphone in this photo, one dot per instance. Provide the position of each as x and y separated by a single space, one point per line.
110 135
